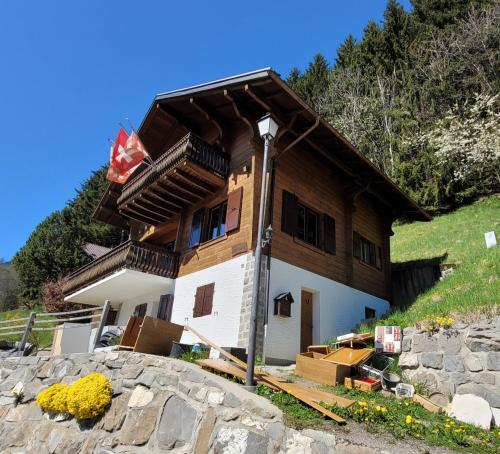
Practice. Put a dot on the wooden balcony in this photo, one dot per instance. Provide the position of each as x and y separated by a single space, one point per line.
132 255
185 174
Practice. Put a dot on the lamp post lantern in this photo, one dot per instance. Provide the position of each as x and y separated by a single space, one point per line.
268 128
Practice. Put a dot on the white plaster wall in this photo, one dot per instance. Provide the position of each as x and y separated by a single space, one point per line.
75 338
222 325
337 308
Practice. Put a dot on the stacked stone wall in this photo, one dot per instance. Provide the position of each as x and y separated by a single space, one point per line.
463 359
158 405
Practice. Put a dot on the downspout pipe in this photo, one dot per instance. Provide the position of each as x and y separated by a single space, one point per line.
250 383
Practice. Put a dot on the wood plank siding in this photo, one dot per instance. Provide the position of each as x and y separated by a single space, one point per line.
233 243
320 188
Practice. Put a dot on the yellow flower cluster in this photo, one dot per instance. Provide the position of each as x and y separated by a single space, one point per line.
54 399
445 322
87 398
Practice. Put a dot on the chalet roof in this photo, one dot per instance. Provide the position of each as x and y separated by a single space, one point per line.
207 109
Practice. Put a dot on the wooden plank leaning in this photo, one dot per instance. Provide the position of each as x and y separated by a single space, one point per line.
298 391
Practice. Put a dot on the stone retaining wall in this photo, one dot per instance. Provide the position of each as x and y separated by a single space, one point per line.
159 404
464 359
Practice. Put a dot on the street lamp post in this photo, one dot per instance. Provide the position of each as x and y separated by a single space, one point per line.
267 130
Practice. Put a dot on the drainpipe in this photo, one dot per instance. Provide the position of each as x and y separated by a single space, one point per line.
269 246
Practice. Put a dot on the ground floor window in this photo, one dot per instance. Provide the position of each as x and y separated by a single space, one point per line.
367 251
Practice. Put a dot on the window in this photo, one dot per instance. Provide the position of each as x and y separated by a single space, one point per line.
307 225
217 221
196 228
369 313
203 300
140 310
165 307
366 251
208 224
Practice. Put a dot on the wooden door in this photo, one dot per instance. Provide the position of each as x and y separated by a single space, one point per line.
306 320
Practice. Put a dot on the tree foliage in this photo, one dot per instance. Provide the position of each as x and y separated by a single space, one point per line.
414 88
55 247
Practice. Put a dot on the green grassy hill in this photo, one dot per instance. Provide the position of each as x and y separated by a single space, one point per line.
474 288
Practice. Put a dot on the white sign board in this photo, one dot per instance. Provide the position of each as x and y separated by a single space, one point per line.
491 239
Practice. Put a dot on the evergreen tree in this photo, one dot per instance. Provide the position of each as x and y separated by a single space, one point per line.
55 247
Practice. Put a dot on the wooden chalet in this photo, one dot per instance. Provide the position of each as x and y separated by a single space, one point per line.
192 218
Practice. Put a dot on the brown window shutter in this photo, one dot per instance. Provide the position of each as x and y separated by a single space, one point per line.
208 299
356 245
329 243
198 302
233 212
289 213
378 258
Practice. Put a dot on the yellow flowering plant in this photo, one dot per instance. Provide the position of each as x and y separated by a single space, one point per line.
54 399
87 398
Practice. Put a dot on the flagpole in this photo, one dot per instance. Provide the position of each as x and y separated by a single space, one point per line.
151 163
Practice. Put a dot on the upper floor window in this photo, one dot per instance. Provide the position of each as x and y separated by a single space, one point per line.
299 221
210 223
307 225
217 221
367 251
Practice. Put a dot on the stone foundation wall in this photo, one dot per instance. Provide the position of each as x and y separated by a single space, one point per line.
159 404
464 359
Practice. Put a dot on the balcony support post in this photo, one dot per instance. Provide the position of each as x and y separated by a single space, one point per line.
102 322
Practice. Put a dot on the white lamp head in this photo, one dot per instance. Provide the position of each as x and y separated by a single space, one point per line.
267 127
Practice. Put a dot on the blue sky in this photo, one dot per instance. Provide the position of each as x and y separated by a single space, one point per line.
71 70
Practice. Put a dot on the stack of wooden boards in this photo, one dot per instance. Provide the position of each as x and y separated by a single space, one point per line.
310 396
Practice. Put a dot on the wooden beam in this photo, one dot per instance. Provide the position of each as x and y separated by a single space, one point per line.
187 197
143 203
130 214
299 138
153 199
191 180
242 116
208 117
144 213
258 99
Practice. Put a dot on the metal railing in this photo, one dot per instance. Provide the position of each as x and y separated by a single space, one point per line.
39 321
133 255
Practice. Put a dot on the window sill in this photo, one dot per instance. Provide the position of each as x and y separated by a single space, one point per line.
367 265
211 242
309 246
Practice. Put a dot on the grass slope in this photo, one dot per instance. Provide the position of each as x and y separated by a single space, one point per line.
41 339
474 288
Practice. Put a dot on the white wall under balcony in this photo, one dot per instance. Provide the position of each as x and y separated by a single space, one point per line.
122 287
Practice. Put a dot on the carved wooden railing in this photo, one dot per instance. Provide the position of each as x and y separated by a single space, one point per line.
133 255
190 147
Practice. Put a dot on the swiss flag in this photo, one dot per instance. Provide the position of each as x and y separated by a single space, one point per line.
125 156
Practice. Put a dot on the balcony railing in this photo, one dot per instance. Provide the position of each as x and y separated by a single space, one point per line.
133 255
184 174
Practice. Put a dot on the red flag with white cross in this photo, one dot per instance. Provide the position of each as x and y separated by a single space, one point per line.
126 154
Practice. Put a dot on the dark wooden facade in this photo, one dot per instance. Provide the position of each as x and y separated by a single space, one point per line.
206 149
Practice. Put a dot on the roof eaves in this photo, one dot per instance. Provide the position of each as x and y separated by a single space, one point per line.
239 78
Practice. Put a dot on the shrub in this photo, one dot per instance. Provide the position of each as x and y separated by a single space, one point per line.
89 396
54 399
